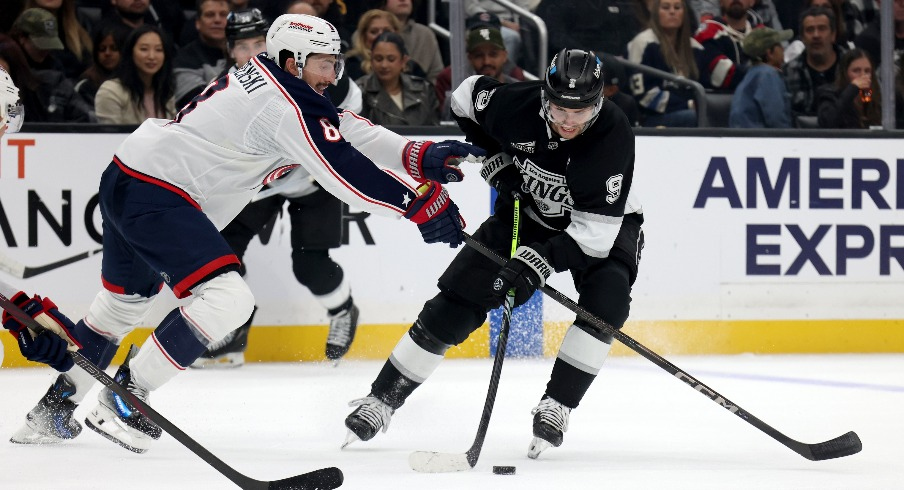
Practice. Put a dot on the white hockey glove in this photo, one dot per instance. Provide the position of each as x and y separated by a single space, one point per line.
11 111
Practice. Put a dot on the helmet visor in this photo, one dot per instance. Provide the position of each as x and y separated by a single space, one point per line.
325 66
570 117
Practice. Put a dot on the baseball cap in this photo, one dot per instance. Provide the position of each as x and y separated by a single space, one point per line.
481 19
41 27
760 40
484 35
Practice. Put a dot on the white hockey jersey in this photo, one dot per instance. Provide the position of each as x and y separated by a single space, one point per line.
252 126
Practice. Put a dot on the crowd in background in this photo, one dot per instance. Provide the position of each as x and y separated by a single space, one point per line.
805 63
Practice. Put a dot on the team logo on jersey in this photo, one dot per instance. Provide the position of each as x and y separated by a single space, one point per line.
527 147
483 99
549 189
553 145
281 171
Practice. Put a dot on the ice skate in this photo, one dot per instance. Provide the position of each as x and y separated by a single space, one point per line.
117 420
342 332
50 421
228 352
550 425
370 416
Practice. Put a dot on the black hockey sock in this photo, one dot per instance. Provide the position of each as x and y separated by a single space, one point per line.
392 387
568 384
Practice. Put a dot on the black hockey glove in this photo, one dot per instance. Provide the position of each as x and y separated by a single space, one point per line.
436 215
526 272
49 346
426 160
501 174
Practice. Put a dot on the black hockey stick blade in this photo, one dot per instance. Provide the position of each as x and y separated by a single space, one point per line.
323 479
844 445
20 271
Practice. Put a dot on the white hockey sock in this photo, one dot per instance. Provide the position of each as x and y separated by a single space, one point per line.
83 382
413 361
153 367
583 351
336 297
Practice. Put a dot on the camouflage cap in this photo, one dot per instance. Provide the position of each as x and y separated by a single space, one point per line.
760 40
41 27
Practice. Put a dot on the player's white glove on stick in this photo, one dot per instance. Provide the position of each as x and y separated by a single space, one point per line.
426 160
11 112
436 216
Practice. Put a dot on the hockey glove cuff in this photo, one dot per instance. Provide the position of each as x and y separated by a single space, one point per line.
526 272
49 346
436 216
426 160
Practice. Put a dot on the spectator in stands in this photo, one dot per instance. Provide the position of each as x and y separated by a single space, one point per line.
604 26
487 55
76 53
616 77
418 37
510 26
372 24
330 11
394 98
721 39
868 40
817 64
35 31
761 99
763 11
166 14
846 23
143 85
668 45
200 61
107 41
854 100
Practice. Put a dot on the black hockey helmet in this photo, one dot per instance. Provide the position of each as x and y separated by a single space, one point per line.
574 79
244 24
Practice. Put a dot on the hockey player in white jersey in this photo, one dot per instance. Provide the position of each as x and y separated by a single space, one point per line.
172 185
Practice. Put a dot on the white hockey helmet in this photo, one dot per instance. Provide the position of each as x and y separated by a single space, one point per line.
11 112
303 35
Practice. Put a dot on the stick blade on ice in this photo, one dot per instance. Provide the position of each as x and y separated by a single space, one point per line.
433 462
322 479
839 447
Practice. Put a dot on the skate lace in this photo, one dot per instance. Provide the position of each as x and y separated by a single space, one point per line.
373 411
340 328
553 413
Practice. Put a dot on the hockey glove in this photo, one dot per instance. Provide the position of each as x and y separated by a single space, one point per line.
436 215
426 160
526 272
48 346
501 174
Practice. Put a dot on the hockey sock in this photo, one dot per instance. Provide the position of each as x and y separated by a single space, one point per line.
412 361
97 349
168 351
580 359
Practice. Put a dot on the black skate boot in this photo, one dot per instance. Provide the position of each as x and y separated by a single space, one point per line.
50 421
228 352
117 420
550 425
370 416
342 332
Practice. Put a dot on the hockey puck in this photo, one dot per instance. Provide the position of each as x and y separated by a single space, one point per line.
503 470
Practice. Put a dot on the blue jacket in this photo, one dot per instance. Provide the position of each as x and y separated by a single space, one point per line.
761 100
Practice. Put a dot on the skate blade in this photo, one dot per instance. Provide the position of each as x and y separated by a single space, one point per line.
536 447
103 421
349 438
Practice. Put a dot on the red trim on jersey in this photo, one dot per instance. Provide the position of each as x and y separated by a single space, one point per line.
307 136
181 289
153 180
165 354
708 31
109 286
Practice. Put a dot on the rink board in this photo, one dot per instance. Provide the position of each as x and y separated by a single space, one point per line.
752 245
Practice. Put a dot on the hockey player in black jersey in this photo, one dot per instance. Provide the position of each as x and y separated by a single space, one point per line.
569 153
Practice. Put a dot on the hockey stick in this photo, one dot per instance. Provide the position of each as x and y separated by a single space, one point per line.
322 479
843 445
21 271
435 462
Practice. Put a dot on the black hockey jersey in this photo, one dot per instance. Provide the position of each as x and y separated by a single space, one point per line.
582 186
